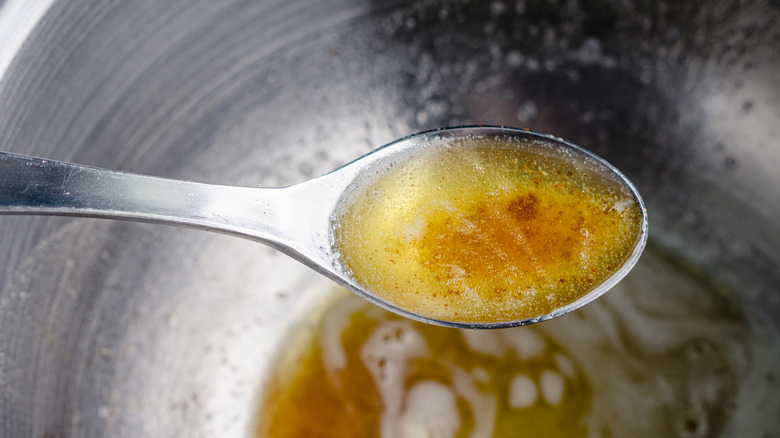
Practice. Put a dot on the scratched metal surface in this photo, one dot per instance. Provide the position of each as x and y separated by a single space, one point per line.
127 329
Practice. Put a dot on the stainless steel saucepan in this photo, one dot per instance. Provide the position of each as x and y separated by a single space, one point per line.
127 329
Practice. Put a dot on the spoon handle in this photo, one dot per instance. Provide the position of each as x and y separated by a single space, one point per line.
30 185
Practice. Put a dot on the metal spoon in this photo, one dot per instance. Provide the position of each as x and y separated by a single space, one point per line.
297 220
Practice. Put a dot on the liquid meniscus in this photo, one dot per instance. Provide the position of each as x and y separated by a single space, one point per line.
487 230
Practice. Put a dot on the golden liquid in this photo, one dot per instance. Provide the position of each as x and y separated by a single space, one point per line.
482 231
387 359
666 355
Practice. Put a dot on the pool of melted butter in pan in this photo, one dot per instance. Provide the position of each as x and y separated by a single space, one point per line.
664 354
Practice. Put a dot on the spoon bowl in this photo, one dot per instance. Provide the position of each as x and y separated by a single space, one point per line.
298 220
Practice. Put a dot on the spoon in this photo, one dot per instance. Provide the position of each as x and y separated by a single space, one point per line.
297 220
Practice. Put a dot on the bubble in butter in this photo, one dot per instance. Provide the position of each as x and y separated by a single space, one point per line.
487 230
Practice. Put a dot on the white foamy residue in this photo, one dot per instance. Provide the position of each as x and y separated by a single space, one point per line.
526 343
414 229
522 392
333 327
552 386
485 342
585 247
386 354
623 204
483 404
662 352
565 365
431 411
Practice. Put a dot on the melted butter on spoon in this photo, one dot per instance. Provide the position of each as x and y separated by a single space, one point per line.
480 227
500 228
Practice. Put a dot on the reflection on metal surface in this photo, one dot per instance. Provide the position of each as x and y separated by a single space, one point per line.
17 19
127 330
